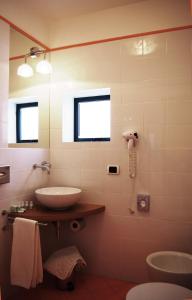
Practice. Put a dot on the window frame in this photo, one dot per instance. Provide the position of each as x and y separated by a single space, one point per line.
78 100
19 107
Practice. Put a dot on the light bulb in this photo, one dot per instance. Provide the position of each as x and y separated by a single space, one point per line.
44 67
25 70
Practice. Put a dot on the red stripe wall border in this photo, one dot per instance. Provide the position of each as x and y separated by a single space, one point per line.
107 40
17 57
171 29
32 38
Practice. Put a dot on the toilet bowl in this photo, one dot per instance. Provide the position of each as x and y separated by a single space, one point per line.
170 266
159 291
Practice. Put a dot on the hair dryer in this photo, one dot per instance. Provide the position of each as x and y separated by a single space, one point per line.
130 137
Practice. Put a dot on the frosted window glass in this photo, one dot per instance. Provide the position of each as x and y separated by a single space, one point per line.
94 119
29 123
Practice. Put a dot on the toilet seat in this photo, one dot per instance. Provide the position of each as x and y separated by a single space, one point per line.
159 291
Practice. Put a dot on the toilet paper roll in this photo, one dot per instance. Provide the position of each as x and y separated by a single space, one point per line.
77 225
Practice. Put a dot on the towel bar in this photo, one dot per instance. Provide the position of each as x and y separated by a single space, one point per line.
12 219
39 223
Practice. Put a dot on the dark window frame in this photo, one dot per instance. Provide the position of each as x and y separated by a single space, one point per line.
77 117
19 107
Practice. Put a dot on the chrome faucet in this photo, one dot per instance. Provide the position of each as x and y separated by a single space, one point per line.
45 166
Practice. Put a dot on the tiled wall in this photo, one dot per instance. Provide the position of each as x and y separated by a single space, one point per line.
151 92
23 179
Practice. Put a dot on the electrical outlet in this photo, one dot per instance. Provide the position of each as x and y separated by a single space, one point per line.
143 202
113 169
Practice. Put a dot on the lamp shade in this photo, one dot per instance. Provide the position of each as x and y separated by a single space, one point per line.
44 67
25 70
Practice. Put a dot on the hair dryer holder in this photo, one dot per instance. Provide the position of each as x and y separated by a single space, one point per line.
131 137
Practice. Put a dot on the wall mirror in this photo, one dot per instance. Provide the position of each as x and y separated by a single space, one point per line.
22 92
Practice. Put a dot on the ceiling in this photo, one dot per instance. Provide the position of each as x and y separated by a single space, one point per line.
58 9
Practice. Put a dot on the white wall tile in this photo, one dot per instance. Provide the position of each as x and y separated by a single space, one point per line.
152 94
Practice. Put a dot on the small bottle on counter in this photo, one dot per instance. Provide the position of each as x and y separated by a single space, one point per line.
26 204
22 204
31 204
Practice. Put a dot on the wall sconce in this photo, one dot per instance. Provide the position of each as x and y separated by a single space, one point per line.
42 67
25 70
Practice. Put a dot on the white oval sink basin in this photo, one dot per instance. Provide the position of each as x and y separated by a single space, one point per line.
58 197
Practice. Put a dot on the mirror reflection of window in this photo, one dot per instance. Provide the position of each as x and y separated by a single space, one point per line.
27 122
23 120
24 90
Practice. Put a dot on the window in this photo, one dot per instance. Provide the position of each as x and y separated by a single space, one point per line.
92 118
27 122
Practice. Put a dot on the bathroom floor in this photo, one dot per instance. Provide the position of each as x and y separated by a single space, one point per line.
87 287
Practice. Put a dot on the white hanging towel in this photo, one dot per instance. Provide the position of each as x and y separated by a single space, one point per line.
26 259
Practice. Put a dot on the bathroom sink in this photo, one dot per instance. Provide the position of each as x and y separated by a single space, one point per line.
58 197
